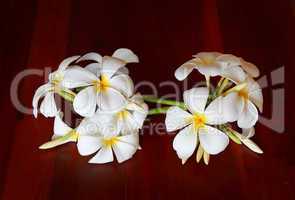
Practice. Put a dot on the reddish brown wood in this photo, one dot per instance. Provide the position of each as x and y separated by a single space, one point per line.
164 34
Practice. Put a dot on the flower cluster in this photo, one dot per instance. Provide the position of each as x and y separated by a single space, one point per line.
206 119
103 93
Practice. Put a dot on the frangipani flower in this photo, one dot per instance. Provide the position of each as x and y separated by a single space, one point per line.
243 102
108 90
127 120
217 64
48 106
197 125
124 147
89 140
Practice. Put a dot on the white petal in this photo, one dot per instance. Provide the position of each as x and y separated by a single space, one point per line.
250 68
48 105
111 65
195 99
89 127
232 106
185 143
215 112
140 115
128 124
213 140
233 73
78 77
92 56
209 70
248 116
248 132
60 127
176 118
94 68
126 54
107 123
228 59
85 102
104 155
255 93
184 70
207 55
66 62
122 83
88 144
125 148
40 92
111 100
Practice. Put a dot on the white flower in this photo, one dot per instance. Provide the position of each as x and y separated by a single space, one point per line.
48 106
196 126
217 64
108 90
127 120
90 139
243 102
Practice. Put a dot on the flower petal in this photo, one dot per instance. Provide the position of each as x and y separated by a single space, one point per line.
213 140
40 92
104 155
248 116
94 68
111 100
60 127
233 73
125 150
185 143
66 62
248 132
111 65
215 112
122 83
176 118
209 70
88 144
92 56
195 99
140 115
232 106
250 68
78 77
85 102
48 105
255 93
184 70
126 54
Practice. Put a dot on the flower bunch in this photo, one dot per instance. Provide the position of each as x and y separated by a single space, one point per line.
207 115
103 93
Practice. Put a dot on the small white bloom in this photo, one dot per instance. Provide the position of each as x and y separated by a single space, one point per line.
91 140
217 64
107 90
127 120
243 103
48 106
196 124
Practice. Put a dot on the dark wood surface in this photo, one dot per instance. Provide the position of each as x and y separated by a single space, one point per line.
40 33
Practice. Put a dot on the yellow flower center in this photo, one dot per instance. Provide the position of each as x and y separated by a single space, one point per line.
110 141
207 61
122 114
102 84
199 120
244 93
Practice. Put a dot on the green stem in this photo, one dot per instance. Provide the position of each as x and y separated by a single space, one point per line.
152 99
70 137
66 94
156 111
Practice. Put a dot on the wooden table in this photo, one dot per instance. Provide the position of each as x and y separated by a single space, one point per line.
40 33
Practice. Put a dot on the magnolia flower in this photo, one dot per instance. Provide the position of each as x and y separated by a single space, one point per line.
127 120
48 106
197 125
217 64
107 90
89 140
243 102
